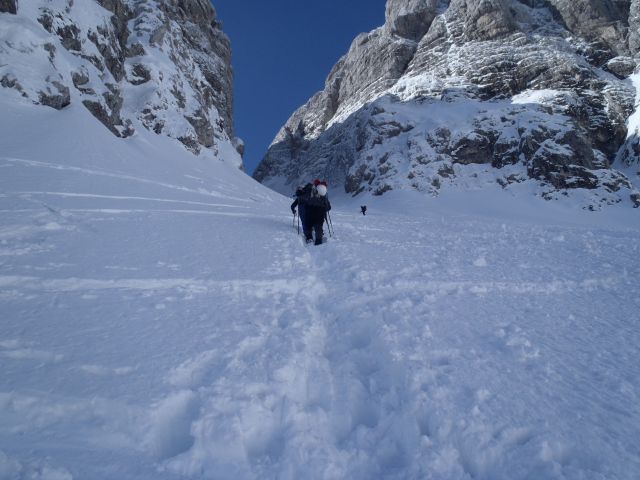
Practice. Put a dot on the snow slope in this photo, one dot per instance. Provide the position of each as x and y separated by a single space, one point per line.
160 319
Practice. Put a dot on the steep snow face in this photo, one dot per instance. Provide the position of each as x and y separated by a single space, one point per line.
521 91
154 64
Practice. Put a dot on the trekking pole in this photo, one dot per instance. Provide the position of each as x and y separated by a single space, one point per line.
333 232
327 218
298 222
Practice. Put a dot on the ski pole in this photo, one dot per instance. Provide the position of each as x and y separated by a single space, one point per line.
294 215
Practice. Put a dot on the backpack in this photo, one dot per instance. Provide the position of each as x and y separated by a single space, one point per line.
314 199
305 191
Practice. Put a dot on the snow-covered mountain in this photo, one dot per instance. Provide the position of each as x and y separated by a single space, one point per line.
154 64
472 93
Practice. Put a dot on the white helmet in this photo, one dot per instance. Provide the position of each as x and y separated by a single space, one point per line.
322 190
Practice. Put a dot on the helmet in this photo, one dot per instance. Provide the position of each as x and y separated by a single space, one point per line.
322 190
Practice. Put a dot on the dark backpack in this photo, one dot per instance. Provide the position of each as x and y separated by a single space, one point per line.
303 193
314 199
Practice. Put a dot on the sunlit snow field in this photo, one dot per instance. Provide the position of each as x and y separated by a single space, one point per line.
160 318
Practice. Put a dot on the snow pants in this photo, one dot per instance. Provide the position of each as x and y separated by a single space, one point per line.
314 222
303 216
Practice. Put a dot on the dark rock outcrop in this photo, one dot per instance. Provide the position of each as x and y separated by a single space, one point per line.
139 74
621 67
634 28
8 6
56 95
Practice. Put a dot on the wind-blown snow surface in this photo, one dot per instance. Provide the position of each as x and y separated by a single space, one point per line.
161 319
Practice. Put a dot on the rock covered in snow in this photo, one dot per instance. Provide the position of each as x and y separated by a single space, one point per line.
468 92
156 64
634 27
410 19
603 23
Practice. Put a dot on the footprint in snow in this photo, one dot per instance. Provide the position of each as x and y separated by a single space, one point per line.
169 433
480 262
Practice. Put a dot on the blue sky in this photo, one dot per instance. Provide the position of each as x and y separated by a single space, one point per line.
282 52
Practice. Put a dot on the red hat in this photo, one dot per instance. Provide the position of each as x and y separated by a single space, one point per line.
316 182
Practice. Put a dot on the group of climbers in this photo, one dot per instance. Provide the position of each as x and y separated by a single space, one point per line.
312 204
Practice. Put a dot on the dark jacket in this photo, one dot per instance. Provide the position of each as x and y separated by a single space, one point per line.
316 208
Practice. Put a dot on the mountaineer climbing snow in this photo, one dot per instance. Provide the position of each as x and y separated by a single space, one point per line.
313 207
301 192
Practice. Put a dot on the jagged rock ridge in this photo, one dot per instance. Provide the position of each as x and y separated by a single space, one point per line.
473 91
163 65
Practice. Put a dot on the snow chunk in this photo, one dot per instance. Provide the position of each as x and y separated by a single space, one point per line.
535 96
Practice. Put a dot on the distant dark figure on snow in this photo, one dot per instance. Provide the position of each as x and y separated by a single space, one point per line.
316 206
300 194
363 209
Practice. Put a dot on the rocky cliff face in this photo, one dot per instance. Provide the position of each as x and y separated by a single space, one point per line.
156 64
469 92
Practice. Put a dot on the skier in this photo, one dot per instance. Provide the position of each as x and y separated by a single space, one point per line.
316 206
363 209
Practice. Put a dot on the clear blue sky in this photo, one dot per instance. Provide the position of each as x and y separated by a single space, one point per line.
283 51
